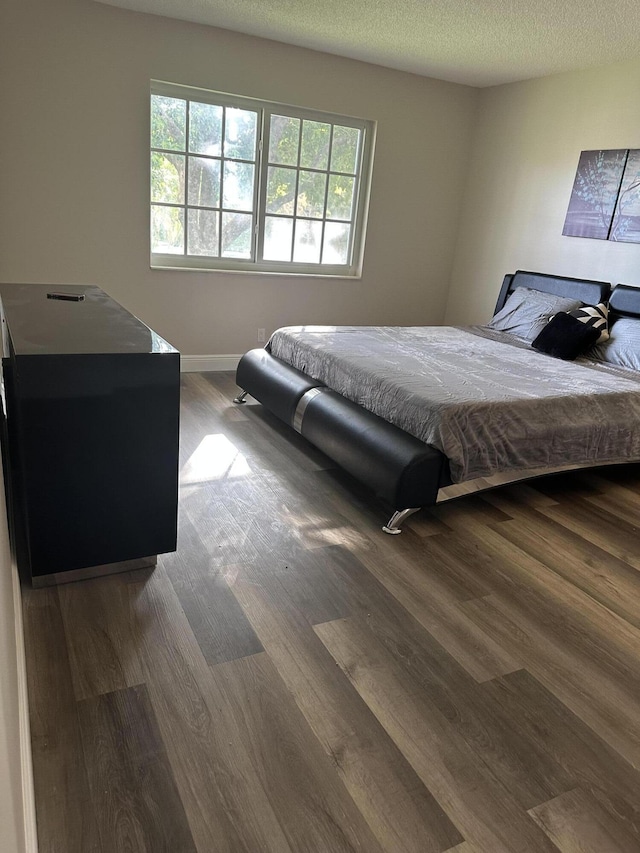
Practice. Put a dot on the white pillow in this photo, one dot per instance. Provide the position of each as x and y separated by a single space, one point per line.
526 312
623 346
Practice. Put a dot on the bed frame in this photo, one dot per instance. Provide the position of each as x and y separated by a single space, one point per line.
398 467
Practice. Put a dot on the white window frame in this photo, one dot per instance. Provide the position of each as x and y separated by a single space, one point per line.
257 264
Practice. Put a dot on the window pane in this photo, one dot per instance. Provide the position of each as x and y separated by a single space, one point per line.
336 243
240 134
204 182
340 198
314 153
311 188
236 235
167 177
167 230
281 190
203 232
277 239
345 149
283 140
238 185
306 247
205 128
168 122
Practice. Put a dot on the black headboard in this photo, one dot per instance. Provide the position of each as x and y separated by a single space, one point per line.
587 291
624 302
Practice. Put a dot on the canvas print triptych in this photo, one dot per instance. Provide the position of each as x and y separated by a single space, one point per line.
605 200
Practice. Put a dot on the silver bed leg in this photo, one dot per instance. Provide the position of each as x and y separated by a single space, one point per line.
393 525
241 397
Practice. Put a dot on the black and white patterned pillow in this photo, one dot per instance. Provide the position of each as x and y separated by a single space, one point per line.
596 316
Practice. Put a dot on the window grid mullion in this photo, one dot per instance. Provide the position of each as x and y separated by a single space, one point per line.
255 213
295 195
326 194
223 136
355 201
185 244
262 170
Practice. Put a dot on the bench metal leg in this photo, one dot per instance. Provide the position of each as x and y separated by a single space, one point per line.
241 397
393 525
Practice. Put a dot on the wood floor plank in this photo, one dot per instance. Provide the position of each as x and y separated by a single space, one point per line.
450 561
216 509
224 801
131 783
603 528
420 594
303 787
98 636
449 685
514 758
576 824
606 579
603 702
395 803
225 540
216 619
614 498
456 514
64 811
592 765
310 587
477 803
611 641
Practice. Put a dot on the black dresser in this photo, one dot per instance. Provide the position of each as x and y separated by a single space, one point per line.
90 398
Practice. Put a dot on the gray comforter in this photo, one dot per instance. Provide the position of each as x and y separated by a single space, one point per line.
485 399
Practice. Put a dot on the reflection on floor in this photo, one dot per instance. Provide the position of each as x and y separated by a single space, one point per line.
292 679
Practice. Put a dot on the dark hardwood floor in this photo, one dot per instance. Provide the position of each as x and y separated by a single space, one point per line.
293 680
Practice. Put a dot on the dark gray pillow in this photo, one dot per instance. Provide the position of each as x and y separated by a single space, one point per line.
623 346
526 312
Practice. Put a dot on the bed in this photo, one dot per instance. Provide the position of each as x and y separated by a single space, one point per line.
424 414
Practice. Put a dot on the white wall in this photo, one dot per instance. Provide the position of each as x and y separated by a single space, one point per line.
13 831
74 170
525 153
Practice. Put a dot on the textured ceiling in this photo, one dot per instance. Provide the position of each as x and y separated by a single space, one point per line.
478 42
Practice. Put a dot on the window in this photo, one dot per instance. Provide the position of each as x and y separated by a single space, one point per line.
240 184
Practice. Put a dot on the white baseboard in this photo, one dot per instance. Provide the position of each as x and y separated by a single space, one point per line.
202 363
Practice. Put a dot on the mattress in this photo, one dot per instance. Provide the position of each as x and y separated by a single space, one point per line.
485 399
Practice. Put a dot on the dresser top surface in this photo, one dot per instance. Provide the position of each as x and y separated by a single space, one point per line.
39 325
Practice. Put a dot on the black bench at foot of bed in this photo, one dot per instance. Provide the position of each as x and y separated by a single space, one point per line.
396 466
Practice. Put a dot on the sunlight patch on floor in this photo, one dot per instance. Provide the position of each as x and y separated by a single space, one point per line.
215 458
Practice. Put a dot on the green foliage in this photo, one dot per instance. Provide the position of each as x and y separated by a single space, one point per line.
167 177
283 140
340 198
345 149
240 134
167 229
311 190
204 182
168 123
314 151
205 128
